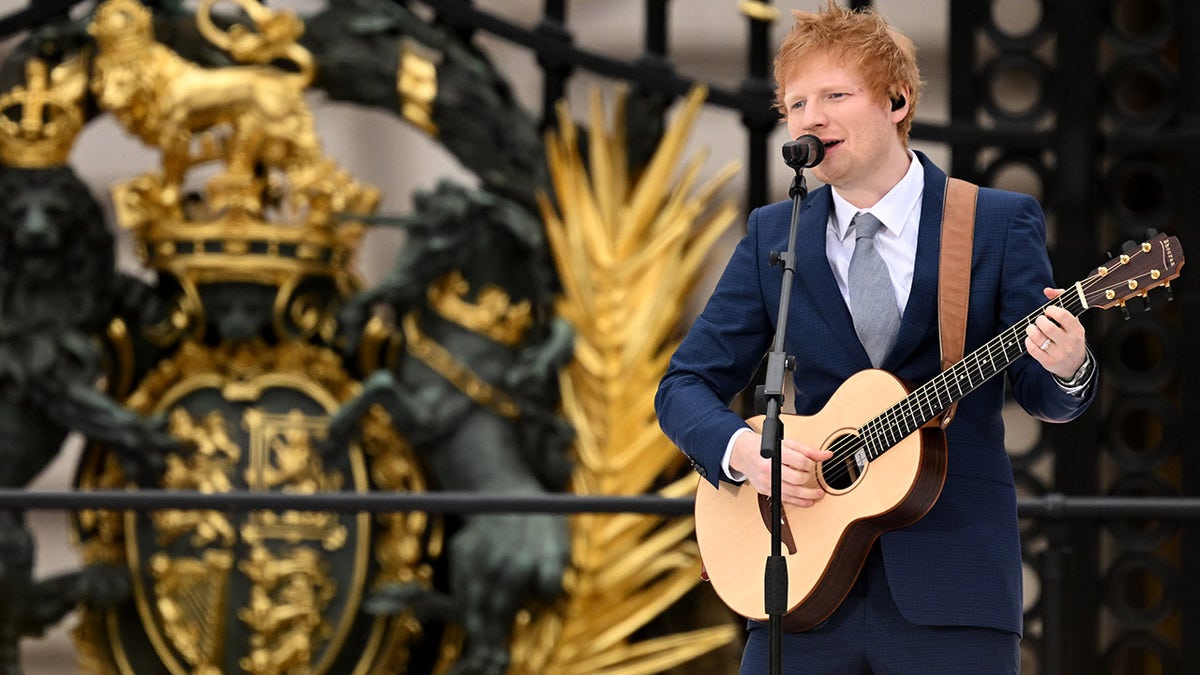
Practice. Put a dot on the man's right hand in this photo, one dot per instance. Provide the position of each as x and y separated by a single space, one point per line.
798 475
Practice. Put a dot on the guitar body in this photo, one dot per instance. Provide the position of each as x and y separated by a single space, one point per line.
826 544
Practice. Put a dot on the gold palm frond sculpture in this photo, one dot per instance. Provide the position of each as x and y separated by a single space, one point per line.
629 251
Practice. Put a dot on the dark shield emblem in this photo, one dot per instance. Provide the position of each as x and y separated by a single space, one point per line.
255 591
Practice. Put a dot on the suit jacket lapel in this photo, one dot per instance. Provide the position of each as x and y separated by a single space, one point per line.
812 268
921 311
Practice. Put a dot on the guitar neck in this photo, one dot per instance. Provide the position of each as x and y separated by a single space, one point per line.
1152 264
928 401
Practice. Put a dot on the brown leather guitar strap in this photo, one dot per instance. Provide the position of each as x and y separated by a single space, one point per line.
954 274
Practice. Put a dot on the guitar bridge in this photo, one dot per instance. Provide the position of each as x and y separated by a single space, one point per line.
785 529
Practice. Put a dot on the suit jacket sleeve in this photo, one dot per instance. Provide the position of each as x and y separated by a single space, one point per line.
1026 271
716 360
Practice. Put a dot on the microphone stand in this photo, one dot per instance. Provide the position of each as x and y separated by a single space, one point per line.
778 362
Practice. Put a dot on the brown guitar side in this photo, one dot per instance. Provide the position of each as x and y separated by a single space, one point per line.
826 544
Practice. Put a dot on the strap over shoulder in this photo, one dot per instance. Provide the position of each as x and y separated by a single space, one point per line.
954 273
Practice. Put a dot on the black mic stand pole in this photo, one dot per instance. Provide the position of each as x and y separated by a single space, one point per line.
778 363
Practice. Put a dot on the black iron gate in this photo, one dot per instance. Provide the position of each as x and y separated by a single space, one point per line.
1106 129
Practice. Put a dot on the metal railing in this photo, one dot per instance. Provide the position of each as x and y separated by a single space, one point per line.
1050 507
1053 560
1054 509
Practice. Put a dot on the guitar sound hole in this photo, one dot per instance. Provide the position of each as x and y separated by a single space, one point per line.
843 470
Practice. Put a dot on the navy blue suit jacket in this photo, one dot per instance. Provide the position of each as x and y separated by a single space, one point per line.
961 563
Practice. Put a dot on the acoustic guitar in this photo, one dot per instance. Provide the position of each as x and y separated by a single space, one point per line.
888 463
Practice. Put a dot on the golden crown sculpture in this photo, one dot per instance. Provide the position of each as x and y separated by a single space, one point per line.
40 120
275 209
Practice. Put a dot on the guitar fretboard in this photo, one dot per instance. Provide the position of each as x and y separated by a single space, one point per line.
928 401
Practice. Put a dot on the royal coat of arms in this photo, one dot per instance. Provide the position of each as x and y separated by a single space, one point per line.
243 375
509 350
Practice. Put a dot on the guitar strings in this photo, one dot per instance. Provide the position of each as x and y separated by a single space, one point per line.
846 446
897 422
893 425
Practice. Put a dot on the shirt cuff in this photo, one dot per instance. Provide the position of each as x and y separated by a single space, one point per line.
730 473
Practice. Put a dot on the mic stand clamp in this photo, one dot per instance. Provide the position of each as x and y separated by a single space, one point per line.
775 586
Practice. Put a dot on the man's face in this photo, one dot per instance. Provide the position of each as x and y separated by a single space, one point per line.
828 99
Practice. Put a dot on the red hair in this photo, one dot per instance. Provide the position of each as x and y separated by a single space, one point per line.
884 57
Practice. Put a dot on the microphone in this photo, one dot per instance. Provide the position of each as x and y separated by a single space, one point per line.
804 152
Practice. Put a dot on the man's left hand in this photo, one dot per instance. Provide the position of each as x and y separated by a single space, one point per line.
1056 339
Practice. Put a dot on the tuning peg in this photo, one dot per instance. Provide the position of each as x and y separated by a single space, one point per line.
1151 233
1170 293
1124 311
1145 302
1130 247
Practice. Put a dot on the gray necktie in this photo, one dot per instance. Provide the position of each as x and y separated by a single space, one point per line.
872 300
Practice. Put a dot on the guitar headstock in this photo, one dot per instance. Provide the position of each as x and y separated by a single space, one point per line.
1151 264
